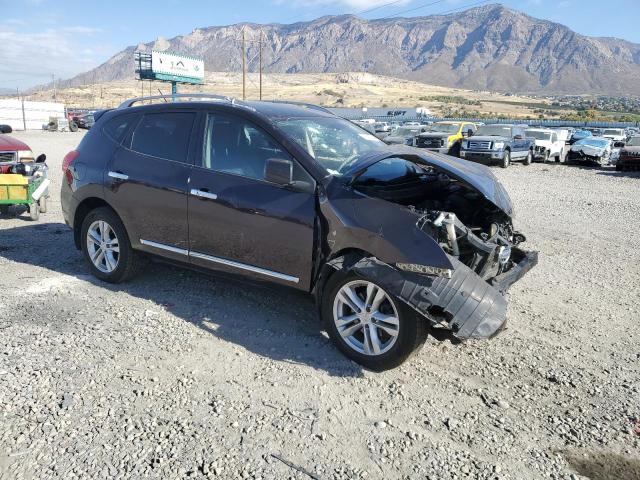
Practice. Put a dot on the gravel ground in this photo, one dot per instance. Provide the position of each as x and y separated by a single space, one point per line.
178 374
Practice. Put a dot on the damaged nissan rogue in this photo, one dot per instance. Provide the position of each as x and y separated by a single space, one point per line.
393 242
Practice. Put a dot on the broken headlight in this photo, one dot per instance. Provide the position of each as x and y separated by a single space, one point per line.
425 269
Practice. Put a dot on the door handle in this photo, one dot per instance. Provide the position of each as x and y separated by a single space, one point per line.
118 175
203 194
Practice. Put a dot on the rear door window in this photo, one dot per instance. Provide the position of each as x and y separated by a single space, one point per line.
164 135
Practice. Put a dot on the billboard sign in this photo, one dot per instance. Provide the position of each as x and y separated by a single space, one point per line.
177 68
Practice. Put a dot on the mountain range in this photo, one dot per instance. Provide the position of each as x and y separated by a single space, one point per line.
485 48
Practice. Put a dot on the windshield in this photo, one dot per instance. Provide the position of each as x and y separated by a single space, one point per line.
443 127
582 133
592 142
333 142
613 131
634 142
538 135
493 131
406 132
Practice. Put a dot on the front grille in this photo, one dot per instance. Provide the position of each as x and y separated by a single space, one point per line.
7 157
479 145
429 142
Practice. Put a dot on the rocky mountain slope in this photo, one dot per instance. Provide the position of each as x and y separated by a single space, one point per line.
489 48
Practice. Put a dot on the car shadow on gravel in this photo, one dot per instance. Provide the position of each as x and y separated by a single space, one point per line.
604 466
623 173
272 321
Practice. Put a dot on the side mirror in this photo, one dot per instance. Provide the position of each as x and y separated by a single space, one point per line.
41 158
278 171
469 133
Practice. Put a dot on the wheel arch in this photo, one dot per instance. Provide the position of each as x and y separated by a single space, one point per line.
82 210
327 269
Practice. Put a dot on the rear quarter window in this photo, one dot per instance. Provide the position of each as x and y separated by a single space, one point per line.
117 127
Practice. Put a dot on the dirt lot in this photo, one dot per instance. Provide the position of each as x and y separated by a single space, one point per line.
177 374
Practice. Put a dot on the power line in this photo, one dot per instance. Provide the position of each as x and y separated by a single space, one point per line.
378 7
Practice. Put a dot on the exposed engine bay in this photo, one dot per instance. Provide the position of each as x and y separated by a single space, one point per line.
465 224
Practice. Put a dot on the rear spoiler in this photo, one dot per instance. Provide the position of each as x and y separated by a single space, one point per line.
98 113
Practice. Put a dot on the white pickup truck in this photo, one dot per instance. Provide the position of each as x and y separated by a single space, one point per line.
547 144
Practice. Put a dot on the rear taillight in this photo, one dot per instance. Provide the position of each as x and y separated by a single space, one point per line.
66 163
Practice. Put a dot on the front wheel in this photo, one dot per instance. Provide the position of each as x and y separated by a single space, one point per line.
34 211
4 209
106 246
506 160
529 158
368 324
43 204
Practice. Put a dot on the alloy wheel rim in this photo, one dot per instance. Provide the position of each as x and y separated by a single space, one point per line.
103 246
366 317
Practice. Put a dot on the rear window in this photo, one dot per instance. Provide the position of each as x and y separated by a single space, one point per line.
117 127
164 135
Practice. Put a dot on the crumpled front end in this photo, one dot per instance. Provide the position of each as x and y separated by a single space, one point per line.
465 304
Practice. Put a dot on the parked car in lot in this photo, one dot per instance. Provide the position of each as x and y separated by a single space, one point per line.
445 137
5 128
629 157
404 135
13 151
85 121
617 135
579 135
498 144
591 150
392 241
382 127
547 144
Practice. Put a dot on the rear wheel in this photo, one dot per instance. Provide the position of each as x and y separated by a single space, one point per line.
106 247
506 160
368 324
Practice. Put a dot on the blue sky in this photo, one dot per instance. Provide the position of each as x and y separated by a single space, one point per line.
64 37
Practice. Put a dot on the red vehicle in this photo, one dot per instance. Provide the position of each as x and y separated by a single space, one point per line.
13 151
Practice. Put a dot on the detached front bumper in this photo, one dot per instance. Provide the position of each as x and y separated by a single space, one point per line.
465 304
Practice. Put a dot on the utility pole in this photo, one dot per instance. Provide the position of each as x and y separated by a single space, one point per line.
260 65
53 79
24 118
244 67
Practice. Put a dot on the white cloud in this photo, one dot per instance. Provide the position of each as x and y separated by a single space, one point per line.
29 58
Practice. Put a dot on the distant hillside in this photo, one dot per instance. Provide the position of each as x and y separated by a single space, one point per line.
489 48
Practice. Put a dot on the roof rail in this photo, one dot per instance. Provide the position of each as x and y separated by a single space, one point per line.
303 104
132 101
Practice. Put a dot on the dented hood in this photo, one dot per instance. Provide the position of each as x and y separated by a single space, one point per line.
474 174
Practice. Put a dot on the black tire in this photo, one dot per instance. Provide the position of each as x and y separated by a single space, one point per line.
506 160
43 204
128 262
529 158
73 126
546 157
34 211
619 167
454 151
4 209
412 330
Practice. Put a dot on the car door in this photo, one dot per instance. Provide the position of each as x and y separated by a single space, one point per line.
146 182
238 221
520 144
